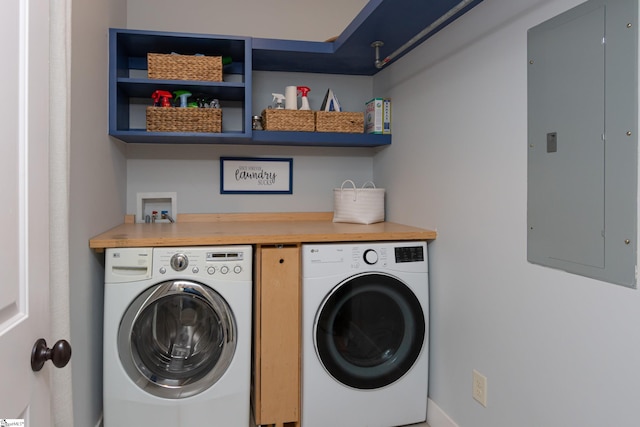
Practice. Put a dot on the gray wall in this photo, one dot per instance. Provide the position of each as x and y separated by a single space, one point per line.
280 19
557 349
97 195
195 177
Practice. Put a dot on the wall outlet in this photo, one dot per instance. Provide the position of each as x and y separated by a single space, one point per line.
479 388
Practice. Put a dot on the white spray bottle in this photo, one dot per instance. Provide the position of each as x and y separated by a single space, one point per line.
304 90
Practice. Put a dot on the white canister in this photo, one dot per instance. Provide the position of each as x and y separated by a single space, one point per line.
291 97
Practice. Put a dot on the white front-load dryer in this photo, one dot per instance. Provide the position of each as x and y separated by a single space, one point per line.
177 336
365 329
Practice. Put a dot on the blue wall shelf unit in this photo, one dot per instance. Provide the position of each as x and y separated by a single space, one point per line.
399 24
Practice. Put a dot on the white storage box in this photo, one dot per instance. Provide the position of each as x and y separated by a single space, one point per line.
377 117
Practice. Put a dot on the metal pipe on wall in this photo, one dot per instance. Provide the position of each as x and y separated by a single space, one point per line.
435 24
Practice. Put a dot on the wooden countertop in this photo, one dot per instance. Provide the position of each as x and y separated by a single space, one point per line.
254 228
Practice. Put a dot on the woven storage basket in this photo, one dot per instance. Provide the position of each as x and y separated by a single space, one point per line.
334 121
184 67
176 119
293 120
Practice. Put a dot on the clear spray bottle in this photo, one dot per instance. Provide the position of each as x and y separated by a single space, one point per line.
278 101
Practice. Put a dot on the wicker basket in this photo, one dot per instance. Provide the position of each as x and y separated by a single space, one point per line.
176 119
184 67
291 120
334 121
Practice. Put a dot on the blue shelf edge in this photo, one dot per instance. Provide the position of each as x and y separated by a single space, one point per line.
144 137
320 139
299 139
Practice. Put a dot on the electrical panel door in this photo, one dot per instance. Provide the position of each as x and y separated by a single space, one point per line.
582 142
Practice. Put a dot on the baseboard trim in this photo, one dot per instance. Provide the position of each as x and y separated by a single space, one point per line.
436 417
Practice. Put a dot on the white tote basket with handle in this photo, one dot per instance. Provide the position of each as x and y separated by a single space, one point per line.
358 205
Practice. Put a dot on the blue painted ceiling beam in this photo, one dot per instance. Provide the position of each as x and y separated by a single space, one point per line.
394 22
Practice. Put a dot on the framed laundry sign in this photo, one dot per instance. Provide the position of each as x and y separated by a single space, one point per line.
249 175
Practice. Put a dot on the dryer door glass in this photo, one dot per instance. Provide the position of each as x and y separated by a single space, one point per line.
178 339
369 331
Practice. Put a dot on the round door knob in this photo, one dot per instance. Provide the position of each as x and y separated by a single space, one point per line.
59 354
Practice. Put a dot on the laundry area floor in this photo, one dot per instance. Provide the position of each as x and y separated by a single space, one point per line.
252 424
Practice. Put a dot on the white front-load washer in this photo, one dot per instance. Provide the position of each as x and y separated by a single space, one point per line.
177 336
365 355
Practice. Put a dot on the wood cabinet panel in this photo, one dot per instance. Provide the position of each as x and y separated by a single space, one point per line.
276 386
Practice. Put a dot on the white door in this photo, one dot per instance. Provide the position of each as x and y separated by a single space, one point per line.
24 192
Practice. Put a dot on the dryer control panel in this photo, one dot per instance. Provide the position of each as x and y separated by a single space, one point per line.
323 259
409 253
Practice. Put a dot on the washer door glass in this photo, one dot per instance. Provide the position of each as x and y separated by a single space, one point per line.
369 331
177 339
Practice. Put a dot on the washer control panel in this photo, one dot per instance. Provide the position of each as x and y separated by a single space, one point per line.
212 262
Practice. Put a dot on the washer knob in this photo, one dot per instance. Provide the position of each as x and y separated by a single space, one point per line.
237 269
179 262
370 256
211 270
224 269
